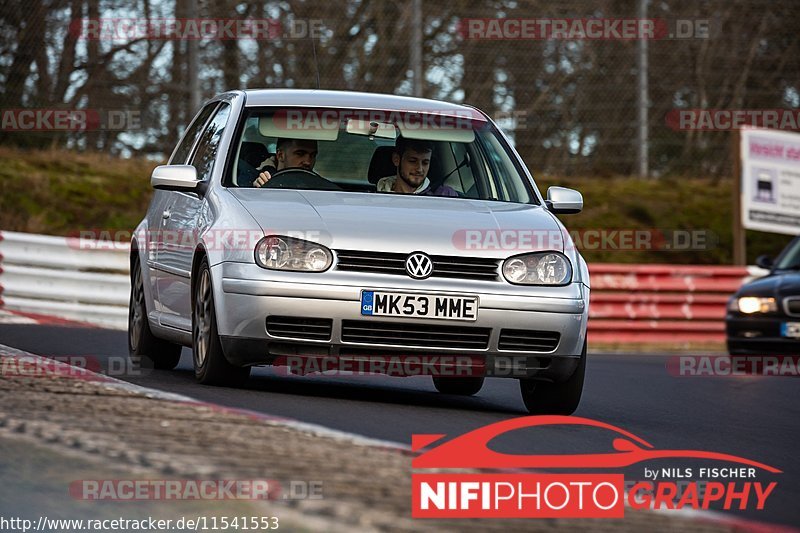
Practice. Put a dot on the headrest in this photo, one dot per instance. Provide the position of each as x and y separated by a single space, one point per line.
253 152
381 164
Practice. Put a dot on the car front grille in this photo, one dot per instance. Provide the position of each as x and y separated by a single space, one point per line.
477 268
292 327
418 335
792 305
527 340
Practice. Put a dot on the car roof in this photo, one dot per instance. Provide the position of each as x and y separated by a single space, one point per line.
355 100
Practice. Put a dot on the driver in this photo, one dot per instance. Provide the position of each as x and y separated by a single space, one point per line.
289 153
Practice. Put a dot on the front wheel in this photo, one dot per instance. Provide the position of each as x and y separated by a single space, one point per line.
555 398
210 365
459 386
164 355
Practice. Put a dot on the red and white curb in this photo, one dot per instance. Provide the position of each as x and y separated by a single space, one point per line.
18 317
9 317
59 368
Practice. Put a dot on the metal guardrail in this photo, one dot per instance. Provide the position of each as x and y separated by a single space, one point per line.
66 278
85 281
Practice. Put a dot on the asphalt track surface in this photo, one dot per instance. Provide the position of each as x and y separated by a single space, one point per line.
753 417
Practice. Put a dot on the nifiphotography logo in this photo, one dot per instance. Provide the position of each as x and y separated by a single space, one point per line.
509 491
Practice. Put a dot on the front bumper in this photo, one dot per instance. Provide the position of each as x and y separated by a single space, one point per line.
243 306
754 335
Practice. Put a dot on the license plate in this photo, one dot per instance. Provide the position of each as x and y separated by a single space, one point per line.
379 303
790 329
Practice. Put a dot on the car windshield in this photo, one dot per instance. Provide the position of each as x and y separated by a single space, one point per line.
355 150
790 258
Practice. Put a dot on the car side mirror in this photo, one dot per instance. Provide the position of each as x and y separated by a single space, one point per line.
563 201
175 178
764 261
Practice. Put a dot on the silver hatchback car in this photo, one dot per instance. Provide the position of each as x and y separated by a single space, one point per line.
324 230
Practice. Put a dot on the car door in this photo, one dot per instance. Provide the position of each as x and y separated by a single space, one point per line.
163 199
181 222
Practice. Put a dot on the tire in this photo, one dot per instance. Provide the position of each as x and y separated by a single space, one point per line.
459 386
210 365
162 354
732 350
555 398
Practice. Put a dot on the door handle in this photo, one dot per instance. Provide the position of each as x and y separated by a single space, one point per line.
166 214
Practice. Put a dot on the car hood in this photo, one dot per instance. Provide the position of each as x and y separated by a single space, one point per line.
397 223
780 285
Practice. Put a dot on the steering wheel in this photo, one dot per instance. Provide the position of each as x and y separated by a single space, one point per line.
300 178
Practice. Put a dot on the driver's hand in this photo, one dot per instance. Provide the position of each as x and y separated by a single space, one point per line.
262 179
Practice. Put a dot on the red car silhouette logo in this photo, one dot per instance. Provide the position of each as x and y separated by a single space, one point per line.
471 451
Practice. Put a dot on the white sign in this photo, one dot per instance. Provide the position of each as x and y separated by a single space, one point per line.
770 180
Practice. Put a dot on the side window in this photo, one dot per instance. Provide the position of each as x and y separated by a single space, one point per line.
185 147
513 187
208 146
461 178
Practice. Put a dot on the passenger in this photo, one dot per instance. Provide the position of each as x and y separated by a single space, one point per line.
289 153
412 158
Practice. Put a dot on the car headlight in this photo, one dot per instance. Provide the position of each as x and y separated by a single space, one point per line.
754 304
549 268
277 252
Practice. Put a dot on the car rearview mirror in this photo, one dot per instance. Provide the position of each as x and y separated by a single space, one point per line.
175 178
563 201
764 261
371 128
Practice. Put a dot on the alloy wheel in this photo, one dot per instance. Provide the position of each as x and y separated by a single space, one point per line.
202 322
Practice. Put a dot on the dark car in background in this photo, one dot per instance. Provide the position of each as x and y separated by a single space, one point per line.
764 315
